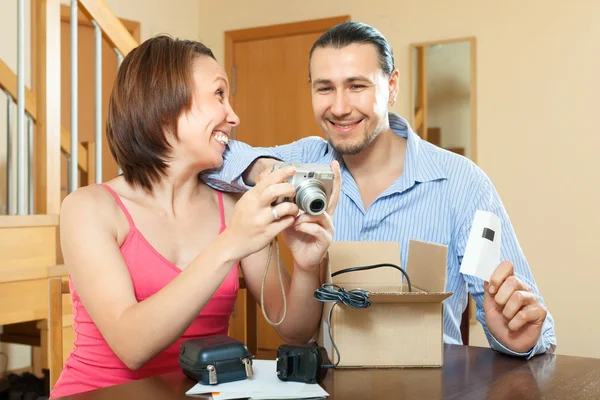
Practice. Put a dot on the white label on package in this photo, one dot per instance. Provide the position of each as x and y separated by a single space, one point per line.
482 254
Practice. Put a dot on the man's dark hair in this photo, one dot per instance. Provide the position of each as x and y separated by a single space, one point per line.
352 32
154 86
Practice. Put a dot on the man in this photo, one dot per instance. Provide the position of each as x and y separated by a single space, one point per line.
397 187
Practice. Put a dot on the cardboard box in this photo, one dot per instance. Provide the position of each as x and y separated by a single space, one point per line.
399 329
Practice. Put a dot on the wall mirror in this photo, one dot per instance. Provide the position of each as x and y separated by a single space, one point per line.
444 94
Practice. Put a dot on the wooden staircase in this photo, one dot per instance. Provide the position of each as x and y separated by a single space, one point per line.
29 244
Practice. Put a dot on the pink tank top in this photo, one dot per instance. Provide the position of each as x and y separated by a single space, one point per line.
93 365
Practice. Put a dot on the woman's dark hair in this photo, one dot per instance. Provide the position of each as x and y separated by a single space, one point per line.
153 87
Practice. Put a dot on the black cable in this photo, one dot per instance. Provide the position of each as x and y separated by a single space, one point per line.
366 267
332 293
355 298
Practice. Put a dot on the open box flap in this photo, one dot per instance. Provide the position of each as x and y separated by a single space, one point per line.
426 265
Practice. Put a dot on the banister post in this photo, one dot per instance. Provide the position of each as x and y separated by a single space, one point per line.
47 141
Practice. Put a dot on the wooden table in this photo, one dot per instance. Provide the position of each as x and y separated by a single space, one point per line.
468 373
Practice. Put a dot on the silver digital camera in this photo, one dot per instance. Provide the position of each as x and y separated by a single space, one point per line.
313 184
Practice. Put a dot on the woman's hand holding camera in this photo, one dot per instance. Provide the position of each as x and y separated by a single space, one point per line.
255 222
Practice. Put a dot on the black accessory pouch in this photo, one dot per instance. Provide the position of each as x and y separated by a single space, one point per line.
305 363
215 359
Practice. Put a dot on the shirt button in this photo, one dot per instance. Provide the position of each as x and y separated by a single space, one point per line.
365 236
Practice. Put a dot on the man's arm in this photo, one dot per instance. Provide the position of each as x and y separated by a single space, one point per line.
486 198
243 163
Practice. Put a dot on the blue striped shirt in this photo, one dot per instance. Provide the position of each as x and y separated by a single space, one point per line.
434 200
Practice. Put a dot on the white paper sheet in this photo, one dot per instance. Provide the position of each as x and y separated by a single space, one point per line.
482 254
235 396
264 384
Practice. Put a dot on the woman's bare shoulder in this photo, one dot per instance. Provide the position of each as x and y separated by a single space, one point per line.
92 204
92 197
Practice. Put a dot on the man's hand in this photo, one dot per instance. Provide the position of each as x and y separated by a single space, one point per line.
514 315
256 171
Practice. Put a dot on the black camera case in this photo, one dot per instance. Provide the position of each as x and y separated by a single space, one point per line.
215 359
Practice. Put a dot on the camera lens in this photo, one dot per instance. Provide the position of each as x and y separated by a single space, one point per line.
310 197
317 206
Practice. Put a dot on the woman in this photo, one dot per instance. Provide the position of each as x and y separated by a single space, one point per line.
153 254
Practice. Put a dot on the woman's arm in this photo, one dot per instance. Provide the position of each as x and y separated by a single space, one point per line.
136 332
303 310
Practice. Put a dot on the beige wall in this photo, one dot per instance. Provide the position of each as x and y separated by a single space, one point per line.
538 135
176 17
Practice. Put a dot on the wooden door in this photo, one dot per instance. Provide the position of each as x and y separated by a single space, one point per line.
268 69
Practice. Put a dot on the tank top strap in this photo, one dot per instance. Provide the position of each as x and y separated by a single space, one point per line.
121 205
221 210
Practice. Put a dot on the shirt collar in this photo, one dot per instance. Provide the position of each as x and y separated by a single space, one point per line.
420 163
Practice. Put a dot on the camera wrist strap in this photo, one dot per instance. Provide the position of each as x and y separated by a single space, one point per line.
262 288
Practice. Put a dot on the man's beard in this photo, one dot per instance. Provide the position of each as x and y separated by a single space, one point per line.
351 149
